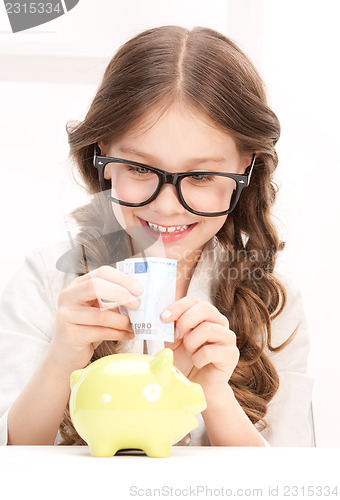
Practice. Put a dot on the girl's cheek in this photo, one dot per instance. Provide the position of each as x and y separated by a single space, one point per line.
119 214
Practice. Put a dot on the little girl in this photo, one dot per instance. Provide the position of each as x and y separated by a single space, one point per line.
177 149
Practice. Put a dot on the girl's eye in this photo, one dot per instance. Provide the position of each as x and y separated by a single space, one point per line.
202 177
138 170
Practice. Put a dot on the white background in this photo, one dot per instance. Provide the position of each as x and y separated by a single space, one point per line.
204 472
49 74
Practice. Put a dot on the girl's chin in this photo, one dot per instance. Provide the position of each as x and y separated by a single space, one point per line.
178 252
158 249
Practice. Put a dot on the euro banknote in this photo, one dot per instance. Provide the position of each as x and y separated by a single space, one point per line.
158 277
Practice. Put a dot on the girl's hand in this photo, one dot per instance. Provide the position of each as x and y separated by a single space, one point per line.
83 322
205 348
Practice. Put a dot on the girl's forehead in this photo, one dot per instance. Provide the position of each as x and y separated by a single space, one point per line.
177 125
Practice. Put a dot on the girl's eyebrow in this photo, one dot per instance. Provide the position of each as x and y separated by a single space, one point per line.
151 159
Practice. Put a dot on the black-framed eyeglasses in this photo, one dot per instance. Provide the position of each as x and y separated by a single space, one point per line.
134 184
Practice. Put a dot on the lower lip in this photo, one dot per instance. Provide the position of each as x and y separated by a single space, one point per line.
167 236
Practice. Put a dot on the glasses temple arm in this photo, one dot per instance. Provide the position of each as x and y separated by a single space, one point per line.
96 153
249 169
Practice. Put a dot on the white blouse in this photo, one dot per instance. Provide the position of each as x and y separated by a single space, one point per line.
27 320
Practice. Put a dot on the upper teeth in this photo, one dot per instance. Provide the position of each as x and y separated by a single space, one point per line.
163 229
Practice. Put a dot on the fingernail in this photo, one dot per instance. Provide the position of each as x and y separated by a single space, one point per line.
166 314
134 301
137 287
176 333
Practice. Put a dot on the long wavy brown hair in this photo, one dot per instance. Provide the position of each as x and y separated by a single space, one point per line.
207 71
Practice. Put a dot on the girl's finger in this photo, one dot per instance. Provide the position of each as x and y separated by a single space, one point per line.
202 311
96 334
174 311
112 275
224 359
93 316
97 288
208 333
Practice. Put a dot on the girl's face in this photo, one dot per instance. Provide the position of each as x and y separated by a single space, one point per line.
179 141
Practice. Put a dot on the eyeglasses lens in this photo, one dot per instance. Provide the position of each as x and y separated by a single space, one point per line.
202 193
208 193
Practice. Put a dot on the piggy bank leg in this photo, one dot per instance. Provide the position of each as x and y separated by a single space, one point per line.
102 449
158 450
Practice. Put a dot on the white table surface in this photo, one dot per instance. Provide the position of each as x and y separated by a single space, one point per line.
69 472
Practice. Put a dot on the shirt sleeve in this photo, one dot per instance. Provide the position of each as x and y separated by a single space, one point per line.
289 417
27 318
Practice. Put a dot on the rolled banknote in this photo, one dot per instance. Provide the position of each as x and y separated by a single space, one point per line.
158 277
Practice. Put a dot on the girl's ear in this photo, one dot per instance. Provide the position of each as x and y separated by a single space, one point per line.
246 161
102 148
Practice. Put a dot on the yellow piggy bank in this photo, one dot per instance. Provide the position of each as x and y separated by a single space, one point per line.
134 401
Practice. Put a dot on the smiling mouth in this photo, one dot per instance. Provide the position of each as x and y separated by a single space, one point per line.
158 228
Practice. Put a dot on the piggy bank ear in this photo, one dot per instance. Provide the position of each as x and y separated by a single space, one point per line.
161 366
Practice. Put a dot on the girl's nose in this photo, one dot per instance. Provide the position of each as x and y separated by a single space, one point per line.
167 201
